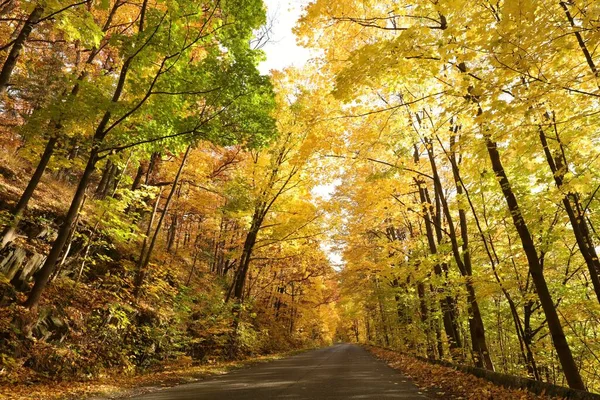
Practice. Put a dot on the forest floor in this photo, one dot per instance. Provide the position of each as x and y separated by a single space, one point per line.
122 386
448 383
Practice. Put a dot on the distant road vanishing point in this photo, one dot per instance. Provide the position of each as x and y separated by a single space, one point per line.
339 372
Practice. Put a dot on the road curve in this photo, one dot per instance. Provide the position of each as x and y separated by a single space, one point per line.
343 371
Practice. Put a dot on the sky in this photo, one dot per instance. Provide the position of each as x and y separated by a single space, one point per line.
282 50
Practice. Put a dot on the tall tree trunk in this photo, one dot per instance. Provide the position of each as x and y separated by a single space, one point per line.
147 236
293 295
368 327
152 167
103 184
145 259
537 274
438 329
141 171
17 212
425 321
15 50
581 42
476 327
447 304
240 279
386 335
42 276
69 241
196 253
356 331
576 213
172 233
494 260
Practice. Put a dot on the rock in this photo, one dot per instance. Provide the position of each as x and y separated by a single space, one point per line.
34 263
19 265
11 260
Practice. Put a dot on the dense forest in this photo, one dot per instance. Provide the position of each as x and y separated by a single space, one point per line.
427 182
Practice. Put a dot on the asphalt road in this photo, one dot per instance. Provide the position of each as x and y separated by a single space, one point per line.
343 371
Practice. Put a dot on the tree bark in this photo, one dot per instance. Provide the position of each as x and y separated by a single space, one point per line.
494 260
152 167
15 50
141 171
103 184
249 243
556 331
476 327
44 273
17 213
581 43
575 211
386 335
447 304
147 236
172 233
427 324
145 259
50 145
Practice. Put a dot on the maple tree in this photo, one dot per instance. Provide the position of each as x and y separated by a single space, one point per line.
156 169
453 185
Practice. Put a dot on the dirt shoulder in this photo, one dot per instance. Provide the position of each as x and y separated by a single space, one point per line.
447 383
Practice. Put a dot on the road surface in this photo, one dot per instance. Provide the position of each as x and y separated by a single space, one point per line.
339 372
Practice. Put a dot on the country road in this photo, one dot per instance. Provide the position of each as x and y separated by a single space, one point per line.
343 371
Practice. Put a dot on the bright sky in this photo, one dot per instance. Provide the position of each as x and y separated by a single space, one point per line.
282 50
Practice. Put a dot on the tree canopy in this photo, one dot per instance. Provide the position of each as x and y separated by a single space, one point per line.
427 182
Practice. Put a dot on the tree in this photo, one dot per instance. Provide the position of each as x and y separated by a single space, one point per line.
495 82
156 57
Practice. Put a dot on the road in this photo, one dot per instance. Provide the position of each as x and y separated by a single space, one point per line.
343 371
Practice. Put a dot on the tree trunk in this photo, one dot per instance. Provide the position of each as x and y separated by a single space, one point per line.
427 324
44 273
152 167
103 184
15 50
581 42
356 331
386 335
196 253
476 327
141 171
558 337
50 145
145 241
447 304
69 241
494 260
575 211
291 331
438 330
99 136
172 233
368 327
240 279
17 213
145 259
